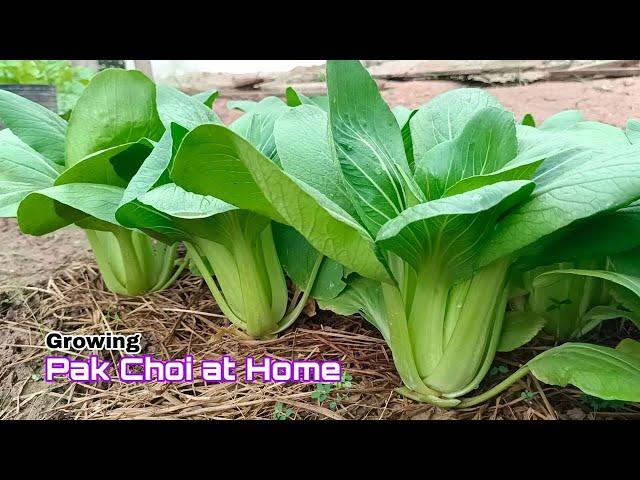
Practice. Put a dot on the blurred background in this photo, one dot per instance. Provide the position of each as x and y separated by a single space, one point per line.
604 90
167 68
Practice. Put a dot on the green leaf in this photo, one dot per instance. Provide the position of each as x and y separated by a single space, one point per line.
117 107
444 117
172 212
569 147
596 316
528 120
364 296
267 104
628 261
298 258
292 97
177 202
528 136
47 210
12 194
601 182
486 144
295 99
155 169
37 126
402 114
321 101
212 160
562 120
258 124
450 231
562 299
242 105
368 143
178 107
153 222
151 170
522 167
596 135
607 234
305 152
602 372
576 133
207 97
329 282
112 166
629 301
633 131
628 282
408 143
519 328
22 170
630 346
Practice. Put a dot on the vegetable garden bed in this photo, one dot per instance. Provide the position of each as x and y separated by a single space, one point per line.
185 319
461 234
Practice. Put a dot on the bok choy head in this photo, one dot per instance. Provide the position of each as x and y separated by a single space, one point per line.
595 277
428 238
239 252
583 276
55 174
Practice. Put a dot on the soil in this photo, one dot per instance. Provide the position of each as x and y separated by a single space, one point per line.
27 260
605 100
31 267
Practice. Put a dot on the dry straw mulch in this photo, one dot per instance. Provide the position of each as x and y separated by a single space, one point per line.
185 320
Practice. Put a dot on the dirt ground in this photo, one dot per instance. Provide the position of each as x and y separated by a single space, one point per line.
609 100
50 282
27 260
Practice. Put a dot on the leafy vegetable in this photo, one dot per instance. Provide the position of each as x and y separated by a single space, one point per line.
633 131
592 277
528 120
573 301
35 125
54 174
237 251
607 373
518 329
439 238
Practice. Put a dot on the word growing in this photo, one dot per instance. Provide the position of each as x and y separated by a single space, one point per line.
145 368
106 341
